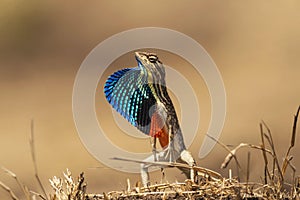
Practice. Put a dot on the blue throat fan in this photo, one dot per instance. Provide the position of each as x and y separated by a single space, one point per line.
130 95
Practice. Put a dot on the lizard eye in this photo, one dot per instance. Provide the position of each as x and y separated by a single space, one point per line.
152 58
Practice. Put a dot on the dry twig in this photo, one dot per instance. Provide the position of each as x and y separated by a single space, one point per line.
32 148
11 193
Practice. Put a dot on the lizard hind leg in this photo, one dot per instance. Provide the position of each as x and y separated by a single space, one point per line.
145 167
169 152
154 151
145 171
187 157
145 175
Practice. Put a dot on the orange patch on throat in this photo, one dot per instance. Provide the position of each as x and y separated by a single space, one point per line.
163 139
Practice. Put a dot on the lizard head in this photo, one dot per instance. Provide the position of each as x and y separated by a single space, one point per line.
150 63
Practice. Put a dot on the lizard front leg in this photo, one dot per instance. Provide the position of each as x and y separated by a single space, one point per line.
154 148
169 151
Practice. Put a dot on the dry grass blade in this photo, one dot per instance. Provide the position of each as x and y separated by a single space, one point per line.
263 144
270 139
227 149
290 164
37 194
286 163
201 170
292 144
32 147
232 153
248 168
229 157
13 175
12 194
293 176
128 188
295 127
274 162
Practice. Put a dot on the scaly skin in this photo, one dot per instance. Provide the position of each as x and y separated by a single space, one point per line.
140 95
175 151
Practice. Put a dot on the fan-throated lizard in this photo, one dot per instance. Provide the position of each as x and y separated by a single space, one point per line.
140 95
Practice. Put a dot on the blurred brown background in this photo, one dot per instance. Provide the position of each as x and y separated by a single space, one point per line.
255 44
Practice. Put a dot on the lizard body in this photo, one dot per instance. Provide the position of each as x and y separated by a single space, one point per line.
140 95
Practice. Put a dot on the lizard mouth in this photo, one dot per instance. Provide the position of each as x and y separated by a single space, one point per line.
145 57
140 55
